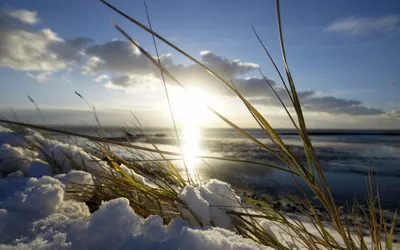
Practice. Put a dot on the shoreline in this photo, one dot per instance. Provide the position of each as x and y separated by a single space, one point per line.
296 209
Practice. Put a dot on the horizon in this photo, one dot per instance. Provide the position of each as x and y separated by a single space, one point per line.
341 55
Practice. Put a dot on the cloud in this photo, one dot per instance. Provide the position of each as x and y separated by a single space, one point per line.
365 26
330 104
79 42
116 57
312 102
37 51
25 16
101 78
133 82
394 113
41 77
193 76
226 67
122 67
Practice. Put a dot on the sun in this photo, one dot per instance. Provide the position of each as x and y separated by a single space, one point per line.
189 107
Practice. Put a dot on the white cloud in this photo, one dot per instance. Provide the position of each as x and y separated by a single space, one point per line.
30 51
25 16
101 78
394 113
41 77
365 26
23 48
91 64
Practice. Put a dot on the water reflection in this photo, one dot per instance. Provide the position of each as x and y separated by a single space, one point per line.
191 148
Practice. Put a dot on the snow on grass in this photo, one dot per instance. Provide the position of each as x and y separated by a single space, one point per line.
10 137
15 158
36 214
209 202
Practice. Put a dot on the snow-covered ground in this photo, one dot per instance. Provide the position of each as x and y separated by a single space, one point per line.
35 212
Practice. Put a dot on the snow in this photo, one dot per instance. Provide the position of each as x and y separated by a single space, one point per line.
220 195
24 207
39 168
196 204
35 213
55 223
15 158
209 203
137 177
11 137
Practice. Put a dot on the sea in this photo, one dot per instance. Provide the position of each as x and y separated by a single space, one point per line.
351 159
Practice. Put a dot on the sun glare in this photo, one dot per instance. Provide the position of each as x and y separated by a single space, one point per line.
189 108
190 111
191 148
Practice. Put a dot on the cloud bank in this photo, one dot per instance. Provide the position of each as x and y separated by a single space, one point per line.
119 65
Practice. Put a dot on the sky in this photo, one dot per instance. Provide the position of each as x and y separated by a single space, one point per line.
344 56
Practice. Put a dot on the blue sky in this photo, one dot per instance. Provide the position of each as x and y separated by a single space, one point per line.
344 56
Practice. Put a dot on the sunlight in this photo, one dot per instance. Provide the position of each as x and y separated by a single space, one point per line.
190 112
190 148
189 108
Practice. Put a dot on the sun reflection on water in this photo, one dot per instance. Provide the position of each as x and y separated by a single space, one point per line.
191 148
190 113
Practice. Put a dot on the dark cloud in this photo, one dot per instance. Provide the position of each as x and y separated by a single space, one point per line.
133 82
310 101
79 42
256 89
117 57
225 66
331 104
